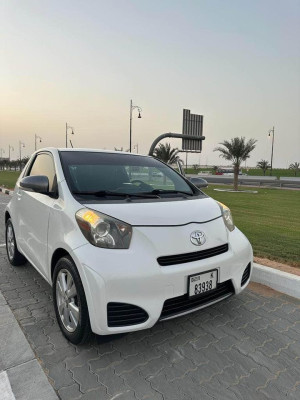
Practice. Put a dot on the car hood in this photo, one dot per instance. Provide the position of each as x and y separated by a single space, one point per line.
161 213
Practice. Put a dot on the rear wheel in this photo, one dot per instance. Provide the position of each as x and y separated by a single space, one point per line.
70 302
13 254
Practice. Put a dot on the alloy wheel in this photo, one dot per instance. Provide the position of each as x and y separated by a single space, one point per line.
10 242
67 300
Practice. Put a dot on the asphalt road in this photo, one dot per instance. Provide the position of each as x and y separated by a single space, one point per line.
246 347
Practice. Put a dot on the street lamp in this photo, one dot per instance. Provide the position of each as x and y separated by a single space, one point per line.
72 132
139 116
35 138
1 152
9 149
21 144
273 132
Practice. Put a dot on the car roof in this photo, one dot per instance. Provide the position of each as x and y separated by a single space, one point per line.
90 150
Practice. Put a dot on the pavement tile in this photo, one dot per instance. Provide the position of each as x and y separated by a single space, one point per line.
154 367
114 384
70 392
141 386
107 360
170 353
2 300
57 339
56 356
86 379
129 364
6 316
59 376
14 348
28 381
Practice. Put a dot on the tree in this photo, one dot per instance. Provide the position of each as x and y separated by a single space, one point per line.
295 166
215 169
236 150
264 165
164 153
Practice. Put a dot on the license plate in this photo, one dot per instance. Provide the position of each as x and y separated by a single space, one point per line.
202 283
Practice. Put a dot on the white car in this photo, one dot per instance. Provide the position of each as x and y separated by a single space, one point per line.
122 252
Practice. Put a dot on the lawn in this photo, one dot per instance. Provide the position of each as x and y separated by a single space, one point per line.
253 172
8 178
270 219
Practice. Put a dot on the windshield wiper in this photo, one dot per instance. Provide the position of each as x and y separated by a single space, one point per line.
104 193
162 191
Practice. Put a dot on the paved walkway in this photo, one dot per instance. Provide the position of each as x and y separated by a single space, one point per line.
247 347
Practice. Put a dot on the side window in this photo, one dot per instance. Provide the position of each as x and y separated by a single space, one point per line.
44 165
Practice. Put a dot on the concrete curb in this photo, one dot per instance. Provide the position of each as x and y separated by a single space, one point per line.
6 191
21 375
283 282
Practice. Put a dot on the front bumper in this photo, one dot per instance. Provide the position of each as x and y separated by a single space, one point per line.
134 277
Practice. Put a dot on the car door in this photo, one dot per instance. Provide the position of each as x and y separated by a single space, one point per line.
34 211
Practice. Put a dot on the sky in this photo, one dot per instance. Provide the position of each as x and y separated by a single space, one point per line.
236 62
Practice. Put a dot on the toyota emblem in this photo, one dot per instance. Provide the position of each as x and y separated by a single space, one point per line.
198 238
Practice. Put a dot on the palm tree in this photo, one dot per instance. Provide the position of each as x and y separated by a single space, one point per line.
236 150
295 167
164 153
264 165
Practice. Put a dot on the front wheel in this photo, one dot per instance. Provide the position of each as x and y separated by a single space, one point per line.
69 302
13 254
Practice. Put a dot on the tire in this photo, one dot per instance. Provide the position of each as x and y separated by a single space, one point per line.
13 254
70 302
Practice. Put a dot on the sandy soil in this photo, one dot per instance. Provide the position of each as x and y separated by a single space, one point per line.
277 265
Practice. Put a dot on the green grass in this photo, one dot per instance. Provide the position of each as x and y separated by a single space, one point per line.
253 172
276 172
8 179
270 219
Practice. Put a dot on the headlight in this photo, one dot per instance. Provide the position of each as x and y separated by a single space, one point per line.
102 230
227 217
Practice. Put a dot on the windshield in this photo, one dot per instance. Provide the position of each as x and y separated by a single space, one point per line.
114 174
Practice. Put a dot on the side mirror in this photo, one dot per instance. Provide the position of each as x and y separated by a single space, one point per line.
37 183
198 182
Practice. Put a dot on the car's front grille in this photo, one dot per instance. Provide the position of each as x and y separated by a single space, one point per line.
194 256
184 304
122 314
246 274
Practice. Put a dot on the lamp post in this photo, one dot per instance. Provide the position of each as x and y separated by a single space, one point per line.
132 107
1 152
72 132
10 148
35 138
273 132
21 144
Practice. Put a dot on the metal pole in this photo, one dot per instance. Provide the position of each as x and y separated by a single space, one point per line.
130 126
273 131
20 153
66 134
173 135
